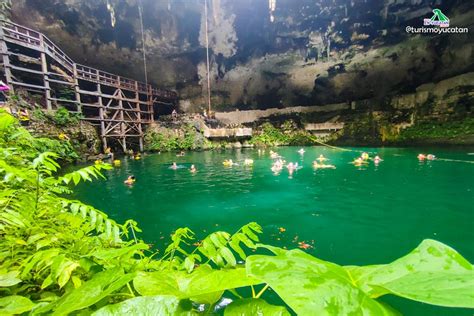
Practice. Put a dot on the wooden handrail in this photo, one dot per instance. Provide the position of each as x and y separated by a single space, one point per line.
22 35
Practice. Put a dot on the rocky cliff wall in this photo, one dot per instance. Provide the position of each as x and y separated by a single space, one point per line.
304 52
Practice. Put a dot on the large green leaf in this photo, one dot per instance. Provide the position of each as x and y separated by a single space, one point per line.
9 278
432 273
311 286
6 120
146 305
15 304
198 285
109 254
92 291
252 306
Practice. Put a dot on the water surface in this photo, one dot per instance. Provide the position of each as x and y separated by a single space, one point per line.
350 215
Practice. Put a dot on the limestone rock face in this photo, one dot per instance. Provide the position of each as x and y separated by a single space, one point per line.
263 54
83 135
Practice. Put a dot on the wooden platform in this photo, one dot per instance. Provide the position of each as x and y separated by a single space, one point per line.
220 133
118 105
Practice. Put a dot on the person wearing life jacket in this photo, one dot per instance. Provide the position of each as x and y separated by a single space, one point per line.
130 180
321 158
228 163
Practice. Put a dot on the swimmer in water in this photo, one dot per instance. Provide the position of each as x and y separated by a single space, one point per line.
377 160
174 166
181 154
277 166
321 158
364 156
317 165
421 157
430 157
274 155
291 168
358 162
192 169
248 162
130 180
301 151
228 163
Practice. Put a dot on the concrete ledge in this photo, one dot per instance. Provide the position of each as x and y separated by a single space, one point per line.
241 117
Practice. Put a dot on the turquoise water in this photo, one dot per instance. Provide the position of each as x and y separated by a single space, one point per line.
350 215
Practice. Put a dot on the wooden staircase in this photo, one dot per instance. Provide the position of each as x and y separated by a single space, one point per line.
119 106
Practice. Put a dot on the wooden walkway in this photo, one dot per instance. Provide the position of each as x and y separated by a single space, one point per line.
121 107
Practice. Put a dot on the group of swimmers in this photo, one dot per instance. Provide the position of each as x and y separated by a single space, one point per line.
174 166
364 160
423 157
279 163
230 162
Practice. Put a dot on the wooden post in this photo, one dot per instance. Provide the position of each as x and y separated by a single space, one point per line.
122 119
149 98
139 116
6 60
101 116
44 70
76 89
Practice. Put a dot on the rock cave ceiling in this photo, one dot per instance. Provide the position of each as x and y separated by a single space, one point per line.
264 53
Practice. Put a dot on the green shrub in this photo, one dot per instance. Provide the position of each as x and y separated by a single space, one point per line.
163 139
433 130
288 134
62 117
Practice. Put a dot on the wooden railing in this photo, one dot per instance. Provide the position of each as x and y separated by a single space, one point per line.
35 40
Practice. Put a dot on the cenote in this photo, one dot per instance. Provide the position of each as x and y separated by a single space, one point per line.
106 105
350 215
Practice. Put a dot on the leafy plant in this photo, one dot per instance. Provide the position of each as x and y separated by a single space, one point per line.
63 117
184 138
288 134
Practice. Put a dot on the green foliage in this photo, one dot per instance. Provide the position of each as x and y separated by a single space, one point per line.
252 306
287 135
18 140
432 273
434 130
447 272
184 138
60 256
270 136
66 94
147 305
62 117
